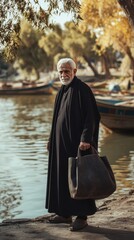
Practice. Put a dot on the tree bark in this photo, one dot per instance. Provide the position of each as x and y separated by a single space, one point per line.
128 52
94 70
128 6
106 65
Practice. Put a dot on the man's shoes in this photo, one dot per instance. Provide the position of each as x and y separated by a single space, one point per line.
60 219
78 224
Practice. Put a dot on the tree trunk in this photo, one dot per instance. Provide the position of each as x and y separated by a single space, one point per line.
94 70
106 65
37 74
128 6
128 52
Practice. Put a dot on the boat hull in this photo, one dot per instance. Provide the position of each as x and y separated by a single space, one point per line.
28 90
116 117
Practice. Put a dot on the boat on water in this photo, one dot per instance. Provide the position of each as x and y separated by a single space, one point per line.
22 88
117 114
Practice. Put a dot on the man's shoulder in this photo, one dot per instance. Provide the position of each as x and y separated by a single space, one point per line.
83 85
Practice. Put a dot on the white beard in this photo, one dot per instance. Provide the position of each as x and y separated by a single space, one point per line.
66 82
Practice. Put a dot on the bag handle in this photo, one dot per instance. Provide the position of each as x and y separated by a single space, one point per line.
91 149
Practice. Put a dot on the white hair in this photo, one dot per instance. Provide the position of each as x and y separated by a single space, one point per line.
68 61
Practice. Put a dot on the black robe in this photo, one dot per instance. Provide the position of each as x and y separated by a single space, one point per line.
75 119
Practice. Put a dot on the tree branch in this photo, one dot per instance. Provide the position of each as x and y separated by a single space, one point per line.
128 6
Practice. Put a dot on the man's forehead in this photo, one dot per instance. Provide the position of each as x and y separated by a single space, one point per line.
64 66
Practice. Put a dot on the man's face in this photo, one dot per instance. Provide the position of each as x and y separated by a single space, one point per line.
66 73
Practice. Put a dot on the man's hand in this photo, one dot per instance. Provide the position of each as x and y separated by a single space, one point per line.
84 146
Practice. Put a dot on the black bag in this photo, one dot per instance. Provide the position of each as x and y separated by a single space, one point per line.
90 177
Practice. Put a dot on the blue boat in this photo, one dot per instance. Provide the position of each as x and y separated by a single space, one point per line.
117 114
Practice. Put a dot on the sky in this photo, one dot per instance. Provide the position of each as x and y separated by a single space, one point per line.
56 19
62 18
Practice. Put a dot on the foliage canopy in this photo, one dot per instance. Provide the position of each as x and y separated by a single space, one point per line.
39 13
36 11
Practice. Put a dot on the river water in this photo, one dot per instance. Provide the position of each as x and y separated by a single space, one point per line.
25 123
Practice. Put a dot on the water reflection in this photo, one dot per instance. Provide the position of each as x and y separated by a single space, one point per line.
24 130
10 196
120 151
25 123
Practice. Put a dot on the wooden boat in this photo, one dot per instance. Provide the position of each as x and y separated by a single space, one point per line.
21 88
101 88
117 114
106 92
101 84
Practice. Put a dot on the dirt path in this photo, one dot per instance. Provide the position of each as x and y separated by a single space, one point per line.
114 220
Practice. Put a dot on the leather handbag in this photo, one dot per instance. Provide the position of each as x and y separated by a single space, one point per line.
90 176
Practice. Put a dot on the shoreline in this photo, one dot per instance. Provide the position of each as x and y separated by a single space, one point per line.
114 220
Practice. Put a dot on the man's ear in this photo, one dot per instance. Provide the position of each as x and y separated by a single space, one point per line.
75 70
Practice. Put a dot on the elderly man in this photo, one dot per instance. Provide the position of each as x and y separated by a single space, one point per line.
75 125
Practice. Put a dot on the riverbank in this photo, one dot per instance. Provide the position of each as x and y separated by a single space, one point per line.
114 220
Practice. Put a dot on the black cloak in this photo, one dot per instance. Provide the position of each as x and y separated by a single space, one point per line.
76 118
